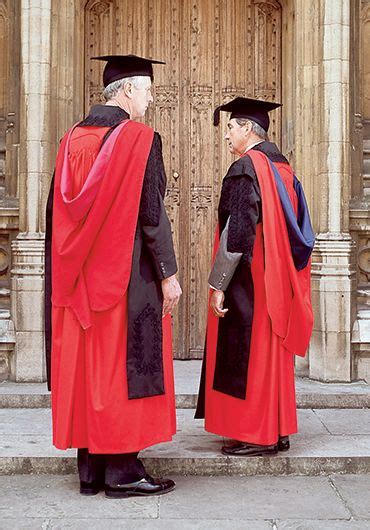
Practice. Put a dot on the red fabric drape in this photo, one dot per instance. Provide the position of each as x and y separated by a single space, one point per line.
86 252
288 291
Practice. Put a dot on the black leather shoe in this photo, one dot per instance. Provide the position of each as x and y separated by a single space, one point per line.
245 449
283 443
91 488
142 488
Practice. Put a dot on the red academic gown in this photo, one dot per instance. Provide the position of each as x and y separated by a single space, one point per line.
282 325
91 260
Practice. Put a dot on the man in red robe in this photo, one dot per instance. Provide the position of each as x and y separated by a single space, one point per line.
110 288
260 312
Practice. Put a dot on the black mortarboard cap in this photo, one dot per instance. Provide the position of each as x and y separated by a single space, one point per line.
251 109
120 66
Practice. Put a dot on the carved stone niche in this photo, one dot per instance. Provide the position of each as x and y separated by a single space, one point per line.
8 232
360 229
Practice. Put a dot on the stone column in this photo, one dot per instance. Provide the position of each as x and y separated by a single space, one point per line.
27 363
323 114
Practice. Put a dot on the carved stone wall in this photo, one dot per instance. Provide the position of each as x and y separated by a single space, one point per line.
9 147
28 362
360 204
294 51
322 157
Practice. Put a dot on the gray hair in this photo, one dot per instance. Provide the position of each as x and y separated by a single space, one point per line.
113 88
257 129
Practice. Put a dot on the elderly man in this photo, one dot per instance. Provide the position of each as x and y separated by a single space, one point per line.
260 309
110 276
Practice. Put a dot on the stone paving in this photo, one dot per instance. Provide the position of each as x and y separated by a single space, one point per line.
329 441
39 484
252 503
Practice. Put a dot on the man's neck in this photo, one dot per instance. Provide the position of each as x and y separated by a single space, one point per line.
250 146
115 103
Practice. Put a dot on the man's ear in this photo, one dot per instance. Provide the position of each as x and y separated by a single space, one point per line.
127 89
248 127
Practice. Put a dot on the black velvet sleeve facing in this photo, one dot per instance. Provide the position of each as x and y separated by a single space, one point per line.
241 201
245 207
154 182
154 222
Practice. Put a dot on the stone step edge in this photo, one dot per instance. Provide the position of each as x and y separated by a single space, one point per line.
217 466
189 401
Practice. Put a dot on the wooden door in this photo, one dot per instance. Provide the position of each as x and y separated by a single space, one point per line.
214 50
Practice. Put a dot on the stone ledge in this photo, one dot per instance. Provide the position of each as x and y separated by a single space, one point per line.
310 394
329 441
221 466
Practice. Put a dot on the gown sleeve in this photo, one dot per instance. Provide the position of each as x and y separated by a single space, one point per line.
154 222
224 264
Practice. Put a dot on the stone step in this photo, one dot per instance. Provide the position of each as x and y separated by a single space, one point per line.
310 394
329 441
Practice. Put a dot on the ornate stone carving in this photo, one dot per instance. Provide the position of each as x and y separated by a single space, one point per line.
364 257
365 74
4 260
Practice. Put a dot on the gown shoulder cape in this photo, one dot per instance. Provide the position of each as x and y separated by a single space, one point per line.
85 258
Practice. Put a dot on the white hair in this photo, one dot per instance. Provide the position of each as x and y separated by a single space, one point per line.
113 88
257 129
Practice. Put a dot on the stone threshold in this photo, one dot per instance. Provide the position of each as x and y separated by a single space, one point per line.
310 394
199 466
329 441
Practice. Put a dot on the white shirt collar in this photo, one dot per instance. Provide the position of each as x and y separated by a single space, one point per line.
253 145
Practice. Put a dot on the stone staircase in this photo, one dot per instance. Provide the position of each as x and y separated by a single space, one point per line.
334 434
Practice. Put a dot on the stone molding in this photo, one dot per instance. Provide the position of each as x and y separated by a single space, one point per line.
27 362
27 301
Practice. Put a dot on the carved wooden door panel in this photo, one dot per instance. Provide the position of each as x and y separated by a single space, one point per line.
214 50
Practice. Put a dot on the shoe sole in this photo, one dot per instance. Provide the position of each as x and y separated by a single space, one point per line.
257 453
126 494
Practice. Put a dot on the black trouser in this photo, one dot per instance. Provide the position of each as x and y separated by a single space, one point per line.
109 469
